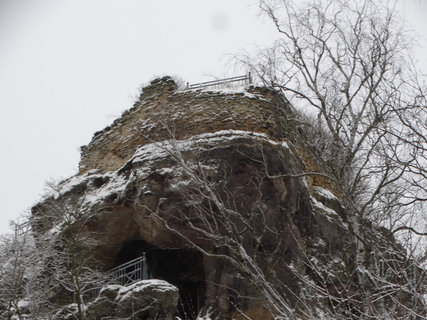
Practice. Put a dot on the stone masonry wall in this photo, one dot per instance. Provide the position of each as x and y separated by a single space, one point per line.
163 112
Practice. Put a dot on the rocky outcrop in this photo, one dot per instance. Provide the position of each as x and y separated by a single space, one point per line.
139 205
146 299
208 184
143 300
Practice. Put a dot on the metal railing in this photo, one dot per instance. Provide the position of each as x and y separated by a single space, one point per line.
131 271
124 274
243 80
21 228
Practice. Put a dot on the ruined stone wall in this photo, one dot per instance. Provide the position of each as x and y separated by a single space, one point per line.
163 112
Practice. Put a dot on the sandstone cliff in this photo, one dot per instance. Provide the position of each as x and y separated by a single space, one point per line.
211 186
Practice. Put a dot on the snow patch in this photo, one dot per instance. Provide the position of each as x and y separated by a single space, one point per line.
116 184
112 287
71 183
325 193
147 125
159 285
156 150
320 206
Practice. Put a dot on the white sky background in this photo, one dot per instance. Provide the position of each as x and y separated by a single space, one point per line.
68 68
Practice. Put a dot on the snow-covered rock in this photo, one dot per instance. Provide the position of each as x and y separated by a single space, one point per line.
145 299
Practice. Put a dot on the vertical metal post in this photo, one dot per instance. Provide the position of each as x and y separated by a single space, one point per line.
145 274
250 77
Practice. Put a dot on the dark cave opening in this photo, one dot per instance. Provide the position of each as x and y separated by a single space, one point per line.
182 267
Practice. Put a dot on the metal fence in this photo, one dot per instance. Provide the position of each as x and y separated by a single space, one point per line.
242 80
22 228
131 271
124 274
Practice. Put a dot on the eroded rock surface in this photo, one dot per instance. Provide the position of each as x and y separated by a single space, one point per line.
140 180
182 173
143 300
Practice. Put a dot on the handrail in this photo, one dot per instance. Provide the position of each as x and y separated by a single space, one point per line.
225 79
131 271
21 228
125 274
211 83
127 263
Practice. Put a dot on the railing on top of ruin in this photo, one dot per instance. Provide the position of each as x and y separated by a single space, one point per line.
244 80
22 228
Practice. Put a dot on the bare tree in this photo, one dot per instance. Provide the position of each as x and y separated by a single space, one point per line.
16 260
23 290
69 247
349 62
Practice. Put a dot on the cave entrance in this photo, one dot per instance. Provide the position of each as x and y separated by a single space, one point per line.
181 267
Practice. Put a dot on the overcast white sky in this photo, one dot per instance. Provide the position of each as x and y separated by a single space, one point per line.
68 68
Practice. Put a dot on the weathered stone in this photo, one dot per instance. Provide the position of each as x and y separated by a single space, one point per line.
139 185
137 188
151 299
146 299
162 112
329 200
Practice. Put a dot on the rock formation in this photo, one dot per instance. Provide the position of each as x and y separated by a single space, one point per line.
145 299
208 184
